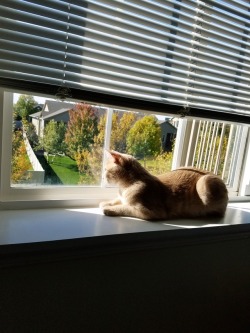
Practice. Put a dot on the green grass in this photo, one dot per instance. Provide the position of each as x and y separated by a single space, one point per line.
156 167
66 169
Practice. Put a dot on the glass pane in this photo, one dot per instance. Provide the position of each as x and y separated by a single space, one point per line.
149 138
56 143
62 143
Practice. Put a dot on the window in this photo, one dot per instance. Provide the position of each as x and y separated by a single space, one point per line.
64 142
216 146
187 59
62 145
28 189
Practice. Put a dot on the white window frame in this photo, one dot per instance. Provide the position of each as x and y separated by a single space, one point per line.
43 196
82 196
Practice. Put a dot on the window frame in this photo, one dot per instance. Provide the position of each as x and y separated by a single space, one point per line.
51 195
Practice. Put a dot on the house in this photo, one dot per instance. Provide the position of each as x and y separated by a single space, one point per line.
52 110
168 134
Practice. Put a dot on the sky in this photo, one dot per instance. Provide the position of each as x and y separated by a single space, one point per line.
38 99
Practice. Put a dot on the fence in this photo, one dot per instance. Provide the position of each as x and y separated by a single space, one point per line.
35 176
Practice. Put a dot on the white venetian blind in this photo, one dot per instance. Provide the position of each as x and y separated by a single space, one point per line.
189 53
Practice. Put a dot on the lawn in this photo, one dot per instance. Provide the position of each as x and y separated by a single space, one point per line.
61 170
66 169
157 166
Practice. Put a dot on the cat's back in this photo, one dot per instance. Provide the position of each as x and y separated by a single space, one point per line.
188 182
195 192
184 177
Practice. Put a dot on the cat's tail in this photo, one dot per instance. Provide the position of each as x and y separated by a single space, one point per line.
213 193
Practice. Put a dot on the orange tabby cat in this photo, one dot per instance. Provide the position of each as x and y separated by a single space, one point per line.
182 193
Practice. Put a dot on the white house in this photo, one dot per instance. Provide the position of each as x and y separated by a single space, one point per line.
56 110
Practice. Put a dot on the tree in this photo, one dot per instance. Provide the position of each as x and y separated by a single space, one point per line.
53 138
119 135
144 138
90 166
82 129
24 107
19 163
121 124
30 130
99 138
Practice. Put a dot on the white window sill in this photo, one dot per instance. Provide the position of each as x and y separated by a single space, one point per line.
48 225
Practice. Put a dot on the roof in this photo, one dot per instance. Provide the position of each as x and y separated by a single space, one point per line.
52 106
168 124
55 113
36 114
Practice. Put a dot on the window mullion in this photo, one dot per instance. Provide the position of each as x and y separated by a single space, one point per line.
106 146
6 104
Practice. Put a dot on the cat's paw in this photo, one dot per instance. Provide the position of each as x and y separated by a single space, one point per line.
109 211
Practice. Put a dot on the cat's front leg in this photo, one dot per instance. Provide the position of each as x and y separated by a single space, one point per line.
114 202
126 210
117 210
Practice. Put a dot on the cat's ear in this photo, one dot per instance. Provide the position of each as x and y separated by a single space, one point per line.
116 156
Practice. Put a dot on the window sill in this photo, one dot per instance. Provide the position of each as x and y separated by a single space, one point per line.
44 225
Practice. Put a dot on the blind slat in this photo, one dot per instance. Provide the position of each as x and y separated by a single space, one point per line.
177 74
182 52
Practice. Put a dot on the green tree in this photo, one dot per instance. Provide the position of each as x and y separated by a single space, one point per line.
53 138
121 124
82 129
24 107
31 134
30 131
119 135
144 138
99 138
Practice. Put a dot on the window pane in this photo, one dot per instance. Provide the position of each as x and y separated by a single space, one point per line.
56 143
149 138
62 143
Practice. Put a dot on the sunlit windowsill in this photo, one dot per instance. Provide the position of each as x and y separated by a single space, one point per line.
57 224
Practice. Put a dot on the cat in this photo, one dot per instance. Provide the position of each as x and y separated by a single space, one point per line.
182 193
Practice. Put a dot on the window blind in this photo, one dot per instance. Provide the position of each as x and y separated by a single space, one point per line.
187 53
